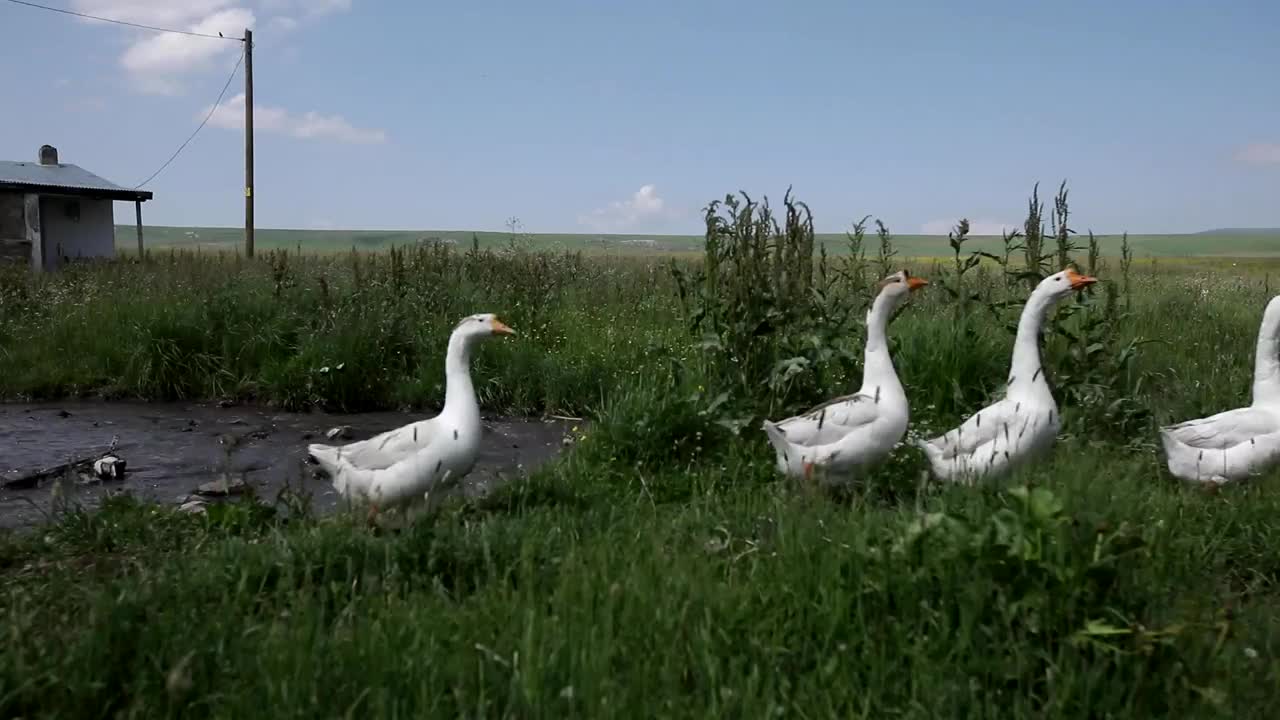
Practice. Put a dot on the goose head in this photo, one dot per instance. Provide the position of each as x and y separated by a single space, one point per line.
898 286
891 292
481 326
1271 315
1060 285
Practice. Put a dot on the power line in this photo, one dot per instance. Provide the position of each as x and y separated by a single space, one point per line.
216 103
123 22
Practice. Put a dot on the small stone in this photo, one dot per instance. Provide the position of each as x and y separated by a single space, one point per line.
109 467
64 414
222 487
341 432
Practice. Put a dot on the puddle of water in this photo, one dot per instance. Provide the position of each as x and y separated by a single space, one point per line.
171 448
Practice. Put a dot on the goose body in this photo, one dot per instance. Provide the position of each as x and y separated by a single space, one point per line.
848 434
1024 423
1234 444
400 466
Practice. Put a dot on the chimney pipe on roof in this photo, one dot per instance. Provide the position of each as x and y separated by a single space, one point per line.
48 155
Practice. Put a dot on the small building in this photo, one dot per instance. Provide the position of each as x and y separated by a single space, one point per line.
53 212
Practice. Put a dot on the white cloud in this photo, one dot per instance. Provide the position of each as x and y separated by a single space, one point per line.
976 227
1259 154
645 208
157 61
161 13
310 125
161 62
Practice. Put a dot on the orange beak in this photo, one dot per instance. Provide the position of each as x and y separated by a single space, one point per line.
501 328
915 283
1078 281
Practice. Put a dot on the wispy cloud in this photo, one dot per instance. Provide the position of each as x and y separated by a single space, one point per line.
976 227
1262 153
283 23
310 125
306 8
644 210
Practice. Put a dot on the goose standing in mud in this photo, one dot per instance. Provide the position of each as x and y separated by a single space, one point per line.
1025 423
851 433
398 467
1234 444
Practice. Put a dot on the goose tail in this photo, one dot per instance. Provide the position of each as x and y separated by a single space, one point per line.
934 454
785 453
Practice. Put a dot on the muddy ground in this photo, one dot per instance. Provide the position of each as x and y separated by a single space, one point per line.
172 448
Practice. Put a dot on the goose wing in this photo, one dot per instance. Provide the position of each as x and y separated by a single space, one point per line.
1008 418
832 420
1226 429
384 449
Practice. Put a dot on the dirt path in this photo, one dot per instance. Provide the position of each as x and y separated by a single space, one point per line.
171 448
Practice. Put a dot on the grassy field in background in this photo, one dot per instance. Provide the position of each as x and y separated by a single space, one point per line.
1263 244
659 568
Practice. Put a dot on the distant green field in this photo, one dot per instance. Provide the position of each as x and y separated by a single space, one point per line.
1227 243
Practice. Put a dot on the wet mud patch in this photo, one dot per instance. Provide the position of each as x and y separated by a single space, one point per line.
173 448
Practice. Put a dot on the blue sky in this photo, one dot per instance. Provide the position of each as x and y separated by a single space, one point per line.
600 116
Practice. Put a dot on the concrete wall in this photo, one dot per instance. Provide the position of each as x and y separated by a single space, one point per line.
13 230
76 227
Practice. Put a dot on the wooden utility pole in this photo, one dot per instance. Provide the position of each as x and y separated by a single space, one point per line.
137 208
248 143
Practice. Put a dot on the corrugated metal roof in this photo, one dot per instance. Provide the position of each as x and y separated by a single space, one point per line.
62 177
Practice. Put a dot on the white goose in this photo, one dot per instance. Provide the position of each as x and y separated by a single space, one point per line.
1025 422
400 466
1235 444
850 433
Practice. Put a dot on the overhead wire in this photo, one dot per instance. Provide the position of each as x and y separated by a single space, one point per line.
155 28
65 11
212 110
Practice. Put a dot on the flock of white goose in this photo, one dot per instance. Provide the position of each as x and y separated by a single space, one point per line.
844 437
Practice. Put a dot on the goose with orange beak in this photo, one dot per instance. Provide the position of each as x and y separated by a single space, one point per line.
1234 444
1024 424
399 467
838 440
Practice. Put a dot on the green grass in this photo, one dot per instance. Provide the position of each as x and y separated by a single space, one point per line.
659 569
1221 244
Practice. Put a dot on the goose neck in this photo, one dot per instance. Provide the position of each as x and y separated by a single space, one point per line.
459 393
877 364
1266 362
1026 364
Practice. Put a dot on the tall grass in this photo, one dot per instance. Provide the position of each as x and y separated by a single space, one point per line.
659 568
355 332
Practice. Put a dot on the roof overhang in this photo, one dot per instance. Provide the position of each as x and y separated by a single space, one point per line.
102 193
